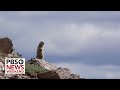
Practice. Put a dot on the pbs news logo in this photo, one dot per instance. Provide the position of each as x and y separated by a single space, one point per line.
15 66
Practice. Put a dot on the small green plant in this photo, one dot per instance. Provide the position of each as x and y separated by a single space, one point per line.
32 68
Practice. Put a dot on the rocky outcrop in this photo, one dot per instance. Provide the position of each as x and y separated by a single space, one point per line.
14 54
60 73
53 72
2 60
12 76
42 63
6 45
7 49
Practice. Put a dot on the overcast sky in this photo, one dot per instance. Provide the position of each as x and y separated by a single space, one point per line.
87 42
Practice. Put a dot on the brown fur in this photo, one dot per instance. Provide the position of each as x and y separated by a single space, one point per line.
40 54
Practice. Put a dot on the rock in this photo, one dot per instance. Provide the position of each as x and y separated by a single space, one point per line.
32 75
1 66
53 72
2 60
64 69
60 73
10 56
6 45
42 63
65 73
48 75
25 77
16 77
13 76
2 77
1 73
14 54
74 76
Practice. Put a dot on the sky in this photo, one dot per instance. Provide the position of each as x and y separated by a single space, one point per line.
86 42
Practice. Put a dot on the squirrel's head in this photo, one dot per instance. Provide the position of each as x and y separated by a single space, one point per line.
41 43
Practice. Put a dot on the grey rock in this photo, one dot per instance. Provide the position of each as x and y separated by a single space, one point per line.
60 73
42 63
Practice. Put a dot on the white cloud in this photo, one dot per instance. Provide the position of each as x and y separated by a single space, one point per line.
27 13
82 38
61 38
93 71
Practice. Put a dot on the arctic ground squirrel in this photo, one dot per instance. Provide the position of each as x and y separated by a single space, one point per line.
40 50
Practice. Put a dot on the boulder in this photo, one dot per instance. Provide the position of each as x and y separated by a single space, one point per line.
74 76
6 45
53 72
42 63
14 54
16 77
60 73
1 66
48 75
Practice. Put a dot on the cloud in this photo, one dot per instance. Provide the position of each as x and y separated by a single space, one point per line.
85 38
93 71
92 44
